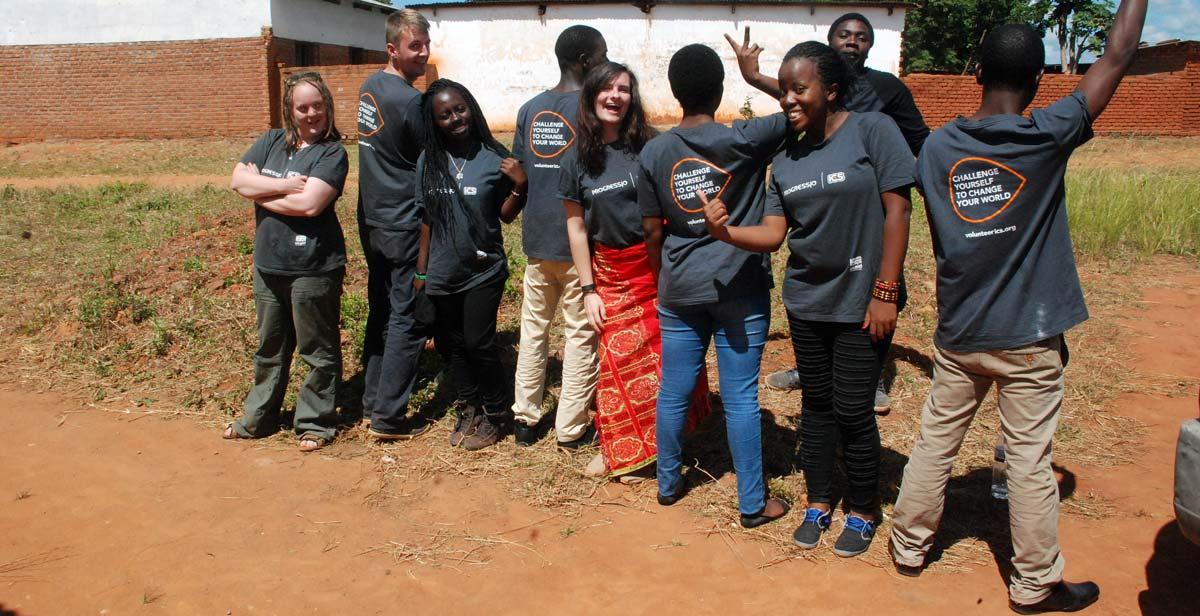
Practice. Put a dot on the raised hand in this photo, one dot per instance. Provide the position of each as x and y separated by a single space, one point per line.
747 55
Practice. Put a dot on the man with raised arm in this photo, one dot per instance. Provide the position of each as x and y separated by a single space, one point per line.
389 223
545 132
1007 290
852 36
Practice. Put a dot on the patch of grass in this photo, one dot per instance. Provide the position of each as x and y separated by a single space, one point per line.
354 319
245 245
1143 212
193 264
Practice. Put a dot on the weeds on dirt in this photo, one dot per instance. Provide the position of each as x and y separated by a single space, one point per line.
127 293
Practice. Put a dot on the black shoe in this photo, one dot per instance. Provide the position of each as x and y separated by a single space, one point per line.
524 434
907 570
855 538
758 519
666 500
488 432
590 438
410 428
816 522
1065 597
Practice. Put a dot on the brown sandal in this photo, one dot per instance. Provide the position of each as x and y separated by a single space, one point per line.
231 433
318 443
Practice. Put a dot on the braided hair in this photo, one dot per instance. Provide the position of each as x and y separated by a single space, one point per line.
441 192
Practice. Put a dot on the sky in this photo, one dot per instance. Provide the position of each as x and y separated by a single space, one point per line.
1165 19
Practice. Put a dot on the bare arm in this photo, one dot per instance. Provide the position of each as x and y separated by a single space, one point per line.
1102 79
765 237
422 256
880 319
653 230
515 201
581 255
316 196
249 183
747 57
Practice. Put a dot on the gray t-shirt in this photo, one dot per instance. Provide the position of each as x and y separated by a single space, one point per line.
545 132
996 203
830 196
298 245
455 263
609 200
389 141
729 162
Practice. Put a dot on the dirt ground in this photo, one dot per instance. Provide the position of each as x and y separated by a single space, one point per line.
105 513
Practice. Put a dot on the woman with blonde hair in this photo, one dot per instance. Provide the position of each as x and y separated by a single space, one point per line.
294 175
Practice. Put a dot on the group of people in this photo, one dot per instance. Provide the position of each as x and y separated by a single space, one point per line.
653 245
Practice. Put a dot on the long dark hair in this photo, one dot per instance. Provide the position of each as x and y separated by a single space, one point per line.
290 130
634 131
441 192
831 67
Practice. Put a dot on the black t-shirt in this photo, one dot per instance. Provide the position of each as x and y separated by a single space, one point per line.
880 91
298 245
389 141
609 200
470 250
724 161
996 202
830 196
545 132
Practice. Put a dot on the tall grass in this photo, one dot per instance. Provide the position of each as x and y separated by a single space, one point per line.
1144 211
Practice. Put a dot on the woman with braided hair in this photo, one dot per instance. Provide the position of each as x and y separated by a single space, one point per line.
467 183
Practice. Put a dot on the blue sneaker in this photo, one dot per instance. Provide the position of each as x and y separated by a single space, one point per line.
815 523
856 537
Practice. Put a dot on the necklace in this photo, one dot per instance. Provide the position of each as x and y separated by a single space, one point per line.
457 168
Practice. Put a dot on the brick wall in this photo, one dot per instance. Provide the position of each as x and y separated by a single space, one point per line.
1169 58
160 89
218 87
344 82
1165 104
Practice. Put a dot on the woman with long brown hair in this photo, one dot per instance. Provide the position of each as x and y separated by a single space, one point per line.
294 175
604 225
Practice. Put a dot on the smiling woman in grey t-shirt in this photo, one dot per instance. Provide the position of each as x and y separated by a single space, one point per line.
294 176
839 195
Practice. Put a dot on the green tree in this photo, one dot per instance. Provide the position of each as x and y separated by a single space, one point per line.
1079 25
942 36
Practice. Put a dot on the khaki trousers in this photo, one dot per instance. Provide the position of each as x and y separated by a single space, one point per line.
547 283
1029 381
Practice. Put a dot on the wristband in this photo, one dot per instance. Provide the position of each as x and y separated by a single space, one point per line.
588 289
419 276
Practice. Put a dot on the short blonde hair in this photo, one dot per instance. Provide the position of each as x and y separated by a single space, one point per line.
404 20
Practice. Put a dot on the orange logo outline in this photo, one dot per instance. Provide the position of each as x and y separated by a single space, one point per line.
565 123
378 114
720 191
954 202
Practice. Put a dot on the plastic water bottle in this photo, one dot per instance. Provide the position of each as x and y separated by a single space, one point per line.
1000 474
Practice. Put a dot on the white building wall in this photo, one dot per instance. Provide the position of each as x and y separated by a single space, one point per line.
317 21
505 54
67 22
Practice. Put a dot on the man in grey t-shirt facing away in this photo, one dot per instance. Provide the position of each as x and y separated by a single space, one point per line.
852 36
545 132
389 224
1007 291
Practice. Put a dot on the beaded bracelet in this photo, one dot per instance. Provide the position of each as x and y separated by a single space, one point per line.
890 297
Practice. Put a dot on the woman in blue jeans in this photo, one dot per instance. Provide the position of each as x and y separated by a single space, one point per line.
708 289
839 195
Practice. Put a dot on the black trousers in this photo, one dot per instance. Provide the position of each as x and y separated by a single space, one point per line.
465 331
393 342
838 366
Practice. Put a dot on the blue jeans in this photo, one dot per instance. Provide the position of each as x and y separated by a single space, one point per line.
740 327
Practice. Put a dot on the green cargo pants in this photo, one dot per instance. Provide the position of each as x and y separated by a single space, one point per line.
295 312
